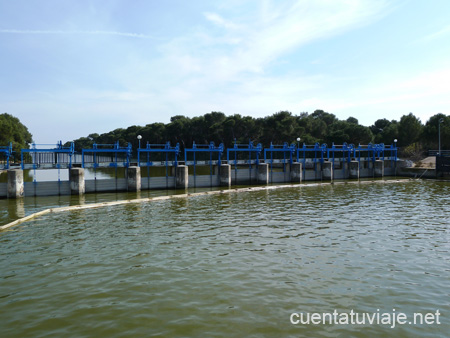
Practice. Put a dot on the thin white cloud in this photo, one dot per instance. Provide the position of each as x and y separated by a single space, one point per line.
75 32
271 31
436 35
218 20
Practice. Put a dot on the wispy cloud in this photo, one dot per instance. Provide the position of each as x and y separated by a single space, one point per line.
220 21
436 35
75 32
272 31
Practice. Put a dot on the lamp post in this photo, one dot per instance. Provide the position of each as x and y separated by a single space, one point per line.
298 146
441 120
395 158
139 137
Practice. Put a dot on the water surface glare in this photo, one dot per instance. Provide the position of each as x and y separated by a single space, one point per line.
232 265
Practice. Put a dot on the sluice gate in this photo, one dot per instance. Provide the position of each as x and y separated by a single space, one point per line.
161 166
205 156
243 159
160 162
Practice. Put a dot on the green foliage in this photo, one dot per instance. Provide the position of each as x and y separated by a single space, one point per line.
430 135
410 130
12 130
283 126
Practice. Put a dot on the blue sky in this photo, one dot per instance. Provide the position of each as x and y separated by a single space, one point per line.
71 68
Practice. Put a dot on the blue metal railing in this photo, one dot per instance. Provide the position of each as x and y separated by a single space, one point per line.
41 155
106 155
165 150
208 152
159 155
249 149
6 152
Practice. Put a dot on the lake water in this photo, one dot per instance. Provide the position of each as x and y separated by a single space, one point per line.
234 265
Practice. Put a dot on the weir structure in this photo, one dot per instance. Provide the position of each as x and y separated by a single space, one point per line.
159 166
210 158
281 158
5 153
154 157
243 158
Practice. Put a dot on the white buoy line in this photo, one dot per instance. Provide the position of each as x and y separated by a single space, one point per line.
161 198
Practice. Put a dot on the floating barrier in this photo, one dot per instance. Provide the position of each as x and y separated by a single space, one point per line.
185 195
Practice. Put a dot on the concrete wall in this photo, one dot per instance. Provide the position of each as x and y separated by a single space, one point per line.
158 183
416 172
3 190
119 184
47 188
241 176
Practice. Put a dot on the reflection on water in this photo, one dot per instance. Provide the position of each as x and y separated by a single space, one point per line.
232 265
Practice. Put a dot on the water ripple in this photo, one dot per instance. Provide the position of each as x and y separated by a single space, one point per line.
231 265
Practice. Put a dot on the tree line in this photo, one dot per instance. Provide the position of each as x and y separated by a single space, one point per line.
318 127
283 126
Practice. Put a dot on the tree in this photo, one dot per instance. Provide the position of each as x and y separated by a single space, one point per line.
12 130
352 120
389 134
430 133
410 129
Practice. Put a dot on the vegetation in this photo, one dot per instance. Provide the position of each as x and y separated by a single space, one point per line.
319 126
280 127
12 130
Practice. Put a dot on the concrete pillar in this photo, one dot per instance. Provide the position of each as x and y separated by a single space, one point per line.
15 183
327 170
182 177
225 175
354 169
134 179
262 173
296 172
76 179
379 168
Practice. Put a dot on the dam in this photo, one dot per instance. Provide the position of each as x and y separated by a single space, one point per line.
111 167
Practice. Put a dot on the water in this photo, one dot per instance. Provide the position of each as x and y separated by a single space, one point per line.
233 265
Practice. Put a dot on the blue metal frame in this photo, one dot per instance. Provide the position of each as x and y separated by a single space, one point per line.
317 149
204 148
250 148
115 149
35 152
165 149
7 151
348 152
210 148
285 148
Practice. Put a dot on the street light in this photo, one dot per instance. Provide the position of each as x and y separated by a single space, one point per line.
395 162
298 142
139 137
441 120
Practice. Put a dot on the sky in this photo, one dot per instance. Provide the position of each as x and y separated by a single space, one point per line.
70 68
